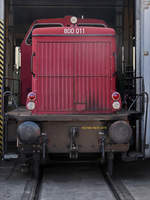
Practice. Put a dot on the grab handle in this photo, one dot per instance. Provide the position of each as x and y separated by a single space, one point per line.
33 54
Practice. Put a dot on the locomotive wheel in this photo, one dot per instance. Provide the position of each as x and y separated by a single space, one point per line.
110 163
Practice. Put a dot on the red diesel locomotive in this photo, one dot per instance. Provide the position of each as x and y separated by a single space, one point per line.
68 85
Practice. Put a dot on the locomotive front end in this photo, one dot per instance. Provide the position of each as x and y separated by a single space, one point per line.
74 107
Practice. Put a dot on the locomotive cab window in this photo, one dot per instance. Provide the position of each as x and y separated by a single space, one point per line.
92 25
43 25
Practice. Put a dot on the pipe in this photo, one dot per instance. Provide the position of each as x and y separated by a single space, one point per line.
138 63
146 115
145 127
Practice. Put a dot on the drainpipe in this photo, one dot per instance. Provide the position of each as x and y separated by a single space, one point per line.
138 67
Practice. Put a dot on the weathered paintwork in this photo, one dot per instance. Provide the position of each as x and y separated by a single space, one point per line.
74 69
26 50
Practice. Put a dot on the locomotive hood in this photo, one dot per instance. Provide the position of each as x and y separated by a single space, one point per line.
73 30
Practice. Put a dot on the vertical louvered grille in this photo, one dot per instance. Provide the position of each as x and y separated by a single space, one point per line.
55 82
74 77
93 75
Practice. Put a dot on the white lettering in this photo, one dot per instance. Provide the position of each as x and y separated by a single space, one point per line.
68 30
74 31
77 31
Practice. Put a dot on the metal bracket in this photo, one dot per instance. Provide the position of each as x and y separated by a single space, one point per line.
44 143
146 53
73 145
102 149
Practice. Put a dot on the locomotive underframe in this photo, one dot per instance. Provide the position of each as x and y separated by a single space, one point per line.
71 134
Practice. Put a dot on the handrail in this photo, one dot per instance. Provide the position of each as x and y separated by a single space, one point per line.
146 115
7 93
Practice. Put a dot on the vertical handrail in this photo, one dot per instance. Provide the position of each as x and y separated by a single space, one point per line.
146 115
6 93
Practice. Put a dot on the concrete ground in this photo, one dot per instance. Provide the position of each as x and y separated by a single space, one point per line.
136 177
12 182
75 182
83 182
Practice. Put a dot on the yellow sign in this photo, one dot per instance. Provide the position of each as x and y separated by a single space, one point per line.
94 127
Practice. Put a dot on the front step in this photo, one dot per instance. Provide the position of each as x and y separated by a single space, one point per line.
9 156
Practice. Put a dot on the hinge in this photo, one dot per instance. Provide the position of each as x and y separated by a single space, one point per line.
146 146
146 53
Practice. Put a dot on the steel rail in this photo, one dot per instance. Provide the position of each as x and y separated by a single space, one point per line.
32 188
117 187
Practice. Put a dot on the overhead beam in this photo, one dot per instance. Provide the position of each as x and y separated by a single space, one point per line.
68 4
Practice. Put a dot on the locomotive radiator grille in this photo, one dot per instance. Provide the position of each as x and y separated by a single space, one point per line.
55 78
93 75
74 77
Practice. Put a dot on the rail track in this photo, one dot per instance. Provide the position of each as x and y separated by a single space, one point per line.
32 188
35 188
119 190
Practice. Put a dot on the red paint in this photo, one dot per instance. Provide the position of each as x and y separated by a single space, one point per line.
74 74
73 67
26 51
116 96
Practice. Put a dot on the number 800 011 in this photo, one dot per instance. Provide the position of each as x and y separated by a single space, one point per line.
74 31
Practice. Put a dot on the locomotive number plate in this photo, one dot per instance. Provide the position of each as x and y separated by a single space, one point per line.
74 31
